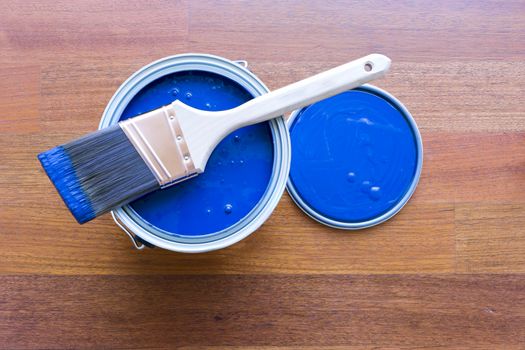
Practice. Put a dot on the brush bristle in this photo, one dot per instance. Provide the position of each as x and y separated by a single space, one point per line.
98 172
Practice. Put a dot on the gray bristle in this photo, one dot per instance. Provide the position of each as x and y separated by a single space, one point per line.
109 169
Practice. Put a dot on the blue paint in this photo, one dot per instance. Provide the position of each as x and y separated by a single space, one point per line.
57 164
354 156
238 171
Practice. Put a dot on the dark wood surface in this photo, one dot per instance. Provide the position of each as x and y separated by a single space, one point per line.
446 272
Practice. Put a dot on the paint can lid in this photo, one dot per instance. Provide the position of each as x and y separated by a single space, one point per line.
356 158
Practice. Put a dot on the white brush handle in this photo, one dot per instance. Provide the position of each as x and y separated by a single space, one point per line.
309 90
203 130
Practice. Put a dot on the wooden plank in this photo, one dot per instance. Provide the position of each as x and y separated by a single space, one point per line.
409 311
463 96
53 30
473 167
423 31
451 95
419 239
20 99
76 91
490 238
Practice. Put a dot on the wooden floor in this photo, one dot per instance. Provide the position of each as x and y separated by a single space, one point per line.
447 272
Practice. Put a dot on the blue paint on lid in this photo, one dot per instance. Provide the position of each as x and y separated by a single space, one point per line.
355 157
238 171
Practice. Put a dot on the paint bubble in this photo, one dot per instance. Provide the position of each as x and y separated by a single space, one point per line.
188 95
237 138
350 177
208 211
365 186
228 208
241 162
175 91
375 193
208 105
365 121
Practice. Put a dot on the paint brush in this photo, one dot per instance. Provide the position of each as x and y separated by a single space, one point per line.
113 166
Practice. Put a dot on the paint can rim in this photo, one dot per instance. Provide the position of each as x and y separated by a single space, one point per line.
282 152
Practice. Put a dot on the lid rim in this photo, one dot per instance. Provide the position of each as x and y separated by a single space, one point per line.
357 225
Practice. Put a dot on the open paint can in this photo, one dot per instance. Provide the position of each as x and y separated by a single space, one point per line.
350 161
245 175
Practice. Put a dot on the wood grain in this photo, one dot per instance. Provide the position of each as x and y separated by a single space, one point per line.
447 272
20 101
287 243
460 85
475 311
322 31
482 243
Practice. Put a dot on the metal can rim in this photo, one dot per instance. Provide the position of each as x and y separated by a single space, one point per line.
282 151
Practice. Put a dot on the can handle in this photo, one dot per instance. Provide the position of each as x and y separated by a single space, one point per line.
139 245
242 63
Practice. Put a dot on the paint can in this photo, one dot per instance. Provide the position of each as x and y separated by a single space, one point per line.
244 178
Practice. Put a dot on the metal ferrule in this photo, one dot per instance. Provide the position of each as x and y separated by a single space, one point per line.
158 139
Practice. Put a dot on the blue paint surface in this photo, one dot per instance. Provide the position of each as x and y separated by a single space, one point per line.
354 156
238 171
